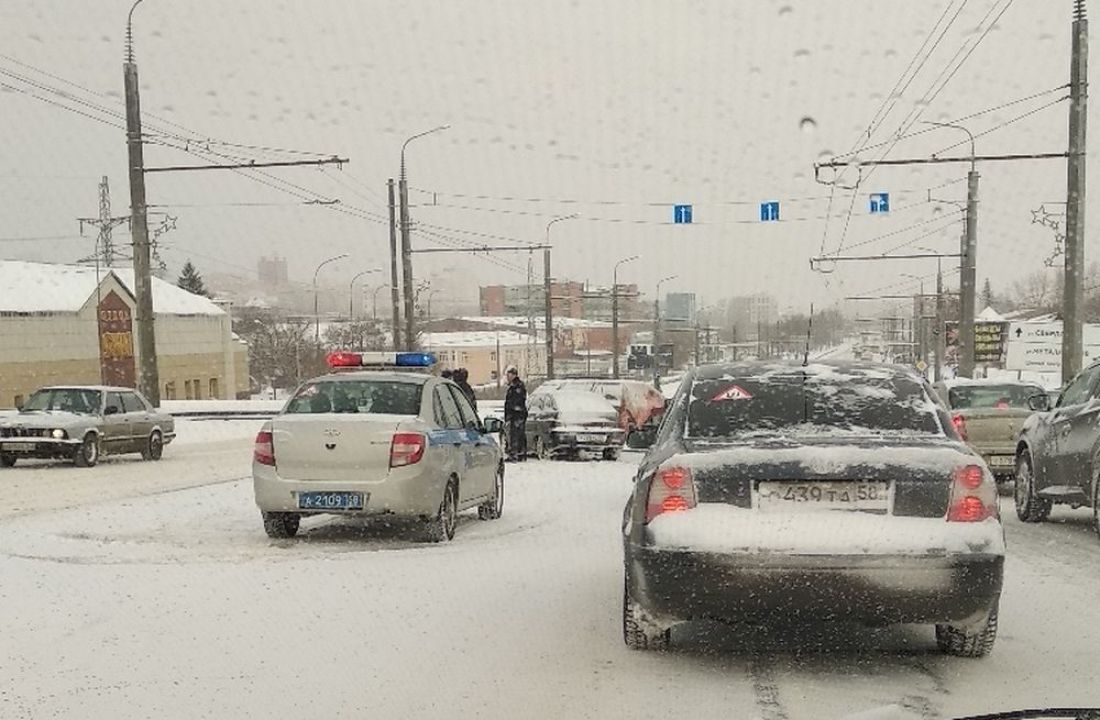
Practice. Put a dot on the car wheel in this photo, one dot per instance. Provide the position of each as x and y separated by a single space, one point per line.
541 451
493 508
281 524
1029 507
442 526
611 454
640 632
1095 506
87 455
972 641
154 447
7 460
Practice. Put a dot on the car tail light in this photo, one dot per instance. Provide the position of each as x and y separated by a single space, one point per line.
671 490
959 423
264 452
406 449
973 496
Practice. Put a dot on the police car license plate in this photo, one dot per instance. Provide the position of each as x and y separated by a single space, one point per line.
18 447
1002 461
787 496
330 501
590 438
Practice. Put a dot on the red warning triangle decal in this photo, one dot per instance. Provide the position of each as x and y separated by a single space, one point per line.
733 392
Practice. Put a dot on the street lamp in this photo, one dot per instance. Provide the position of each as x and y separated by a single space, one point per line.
374 301
657 329
615 315
546 286
968 262
406 242
351 292
316 304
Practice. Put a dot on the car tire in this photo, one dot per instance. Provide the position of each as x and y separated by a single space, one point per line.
493 508
281 525
87 455
441 527
973 641
611 454
154 447
1029 507
7 460
541 452
640 632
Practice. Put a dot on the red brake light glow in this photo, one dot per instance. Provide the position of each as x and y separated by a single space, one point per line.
343 359
264 451
670 491
406 449
973 496
959 423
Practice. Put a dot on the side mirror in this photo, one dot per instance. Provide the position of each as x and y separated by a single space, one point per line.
111 410
492 426
19 406
1039 403
642 438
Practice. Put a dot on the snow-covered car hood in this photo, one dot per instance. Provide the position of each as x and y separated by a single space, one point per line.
48 419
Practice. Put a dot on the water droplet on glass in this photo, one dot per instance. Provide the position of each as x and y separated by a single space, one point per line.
785 10
802 53
807 124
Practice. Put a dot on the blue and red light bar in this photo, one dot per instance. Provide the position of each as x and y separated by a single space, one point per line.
345 359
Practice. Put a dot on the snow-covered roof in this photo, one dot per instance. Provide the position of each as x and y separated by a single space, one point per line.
990 315
472 338
42 287
520 321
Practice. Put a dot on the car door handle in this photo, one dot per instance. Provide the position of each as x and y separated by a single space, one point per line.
457 445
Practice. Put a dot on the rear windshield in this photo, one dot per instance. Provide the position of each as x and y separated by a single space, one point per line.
991 396
792 402
357 396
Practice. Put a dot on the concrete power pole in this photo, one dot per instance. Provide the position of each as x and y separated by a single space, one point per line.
148 376
549 314
938 334
394 283
406 262
1073 299
968 282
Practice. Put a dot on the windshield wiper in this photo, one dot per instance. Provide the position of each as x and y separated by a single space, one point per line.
1039 714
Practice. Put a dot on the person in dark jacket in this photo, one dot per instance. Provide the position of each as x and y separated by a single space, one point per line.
461 378
515 416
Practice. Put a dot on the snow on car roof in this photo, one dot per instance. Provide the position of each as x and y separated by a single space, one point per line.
29 287
581 401
839 371
965 381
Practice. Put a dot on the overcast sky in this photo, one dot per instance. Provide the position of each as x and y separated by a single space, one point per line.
622 106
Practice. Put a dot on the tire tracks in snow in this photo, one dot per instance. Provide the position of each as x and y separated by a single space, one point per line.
765 690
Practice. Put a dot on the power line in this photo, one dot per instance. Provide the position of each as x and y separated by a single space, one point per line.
1004 124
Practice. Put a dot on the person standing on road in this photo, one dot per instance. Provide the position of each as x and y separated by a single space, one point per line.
515 416
462 379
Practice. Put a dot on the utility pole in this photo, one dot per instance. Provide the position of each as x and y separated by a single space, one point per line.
938 335
615 315
1075 197
968 282
395 285
406 261
148 375
549 313
656 340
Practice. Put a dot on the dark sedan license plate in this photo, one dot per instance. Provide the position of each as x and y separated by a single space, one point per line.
786 496
19 447
330 501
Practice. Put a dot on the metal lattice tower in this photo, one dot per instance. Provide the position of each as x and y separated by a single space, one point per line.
105 247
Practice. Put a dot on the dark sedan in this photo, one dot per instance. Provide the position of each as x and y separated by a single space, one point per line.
784 493
1058 453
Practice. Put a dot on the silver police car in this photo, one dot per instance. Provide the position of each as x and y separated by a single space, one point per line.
80 423
388 440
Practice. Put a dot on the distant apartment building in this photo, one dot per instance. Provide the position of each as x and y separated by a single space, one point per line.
679 306
566 299
598 304
747 313
486 354
271 272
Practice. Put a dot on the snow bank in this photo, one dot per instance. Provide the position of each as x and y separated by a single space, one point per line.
238 407
200 432
729 529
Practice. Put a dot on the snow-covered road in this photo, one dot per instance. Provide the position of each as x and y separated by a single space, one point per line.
136 590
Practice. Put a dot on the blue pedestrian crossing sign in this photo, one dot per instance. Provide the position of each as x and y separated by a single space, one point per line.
769 211
681 214
880 203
